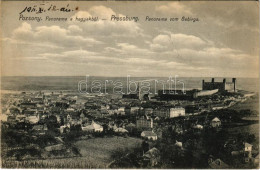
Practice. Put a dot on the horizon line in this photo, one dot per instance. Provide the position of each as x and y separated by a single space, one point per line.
130 76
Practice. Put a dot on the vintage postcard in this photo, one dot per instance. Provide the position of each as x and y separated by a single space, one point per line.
130 84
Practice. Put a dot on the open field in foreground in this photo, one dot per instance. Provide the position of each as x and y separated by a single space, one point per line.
99 150
96 153
251 104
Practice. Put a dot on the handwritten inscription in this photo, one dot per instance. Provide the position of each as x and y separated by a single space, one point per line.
37 9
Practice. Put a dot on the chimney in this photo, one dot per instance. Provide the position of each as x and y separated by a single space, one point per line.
212 80
224 80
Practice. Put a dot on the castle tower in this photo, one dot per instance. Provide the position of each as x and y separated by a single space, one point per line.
234 82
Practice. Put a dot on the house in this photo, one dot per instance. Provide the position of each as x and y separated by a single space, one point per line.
114 127
122 113
176 112
103 109
178 144
40 129
247 152
13 110
82 116
148 111
28 105
149 135
134 110
200 127
33 119
3 117
57 147
69 110
152 157
20 118
215 122
120 130
113 107
64 129
76 122
235 153
93 127
162 112
112 112
30 111
248 147
11 118
58 117
144 123
69 117
121 110
37 99
217 164
8 112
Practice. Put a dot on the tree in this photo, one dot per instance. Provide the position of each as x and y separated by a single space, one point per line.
145 146
51 122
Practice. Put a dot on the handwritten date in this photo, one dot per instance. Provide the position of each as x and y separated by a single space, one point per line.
42 8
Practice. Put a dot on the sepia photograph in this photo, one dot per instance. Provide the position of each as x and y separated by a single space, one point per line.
129 84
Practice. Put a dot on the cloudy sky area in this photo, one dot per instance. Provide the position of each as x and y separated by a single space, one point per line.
224 43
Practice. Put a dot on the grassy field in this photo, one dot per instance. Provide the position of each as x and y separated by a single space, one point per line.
65 163
99 150
96 153
251 103
253 129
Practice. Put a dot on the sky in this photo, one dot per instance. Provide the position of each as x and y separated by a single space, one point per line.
223 43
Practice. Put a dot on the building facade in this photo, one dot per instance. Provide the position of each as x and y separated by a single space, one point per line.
176 112
144 123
